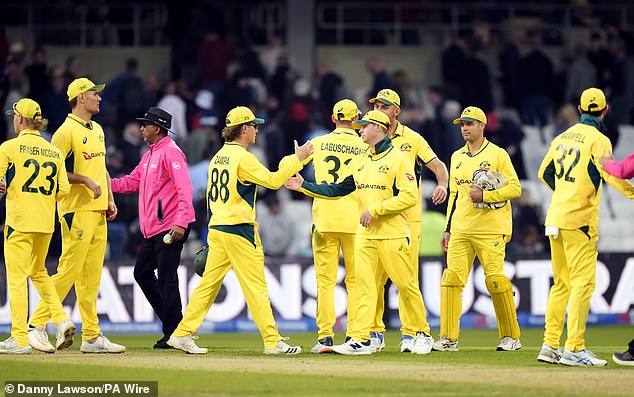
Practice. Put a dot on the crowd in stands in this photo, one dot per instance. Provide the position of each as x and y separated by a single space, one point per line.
221 74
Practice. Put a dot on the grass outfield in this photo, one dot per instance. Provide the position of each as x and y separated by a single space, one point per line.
235 366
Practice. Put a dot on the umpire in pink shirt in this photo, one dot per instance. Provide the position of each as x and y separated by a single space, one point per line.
165 207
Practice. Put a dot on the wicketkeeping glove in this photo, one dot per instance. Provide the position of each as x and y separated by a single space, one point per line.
489 180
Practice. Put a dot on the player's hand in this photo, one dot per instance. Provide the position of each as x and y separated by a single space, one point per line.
112 211
605 158
177 233
444 241
95 187
3 189
366 218
303 151
439 194
294 182
476 194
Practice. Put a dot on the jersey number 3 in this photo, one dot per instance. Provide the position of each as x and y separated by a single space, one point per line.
50 178
573 151
336 166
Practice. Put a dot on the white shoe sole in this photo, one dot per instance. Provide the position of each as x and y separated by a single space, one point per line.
621 362
547 360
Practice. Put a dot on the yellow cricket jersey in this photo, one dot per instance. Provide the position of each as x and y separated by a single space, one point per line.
36 177
419 153
462 216
385 185
234 175
571 169
83 146
332 161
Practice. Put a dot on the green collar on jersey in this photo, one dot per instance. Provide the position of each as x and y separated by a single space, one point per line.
593 121
383 145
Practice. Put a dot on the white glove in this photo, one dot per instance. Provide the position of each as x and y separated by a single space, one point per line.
489 180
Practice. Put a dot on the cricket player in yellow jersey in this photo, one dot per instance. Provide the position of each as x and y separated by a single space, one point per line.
234 176
383 179
82 214
418 151
479 222
571 168
36 178
335 221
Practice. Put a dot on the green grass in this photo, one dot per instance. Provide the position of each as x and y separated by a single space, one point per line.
236 367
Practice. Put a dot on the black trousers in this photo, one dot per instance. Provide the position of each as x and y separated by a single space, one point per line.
161 292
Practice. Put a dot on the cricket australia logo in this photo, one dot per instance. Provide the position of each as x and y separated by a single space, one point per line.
80 234
406 147
384 169
485 165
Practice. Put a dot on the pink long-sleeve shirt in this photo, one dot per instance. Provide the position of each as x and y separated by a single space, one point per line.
165 190
623 169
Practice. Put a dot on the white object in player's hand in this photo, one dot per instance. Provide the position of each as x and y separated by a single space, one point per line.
167 239
489 180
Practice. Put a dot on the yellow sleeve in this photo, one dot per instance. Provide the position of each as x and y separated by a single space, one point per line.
407 191
63 186
62 139
251 170
424 151
512 189
4 160
546 172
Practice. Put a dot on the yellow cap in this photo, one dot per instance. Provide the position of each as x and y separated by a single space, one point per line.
27 108
592 100
345 109
241 115
388 97
81 85
471 113
374 117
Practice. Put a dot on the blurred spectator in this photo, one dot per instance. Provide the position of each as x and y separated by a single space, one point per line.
238 92
54 101
281 80
71 71
602 60
4 46
507 134
12 84
248 61
452 64
476 85
560 82
38 74
131 146
175 105
380 78
582 75
126 95
203 141
412 100
298 111
271 54
566 117
528 236
509 60
331 86
617 84
17 52
153 86
118 232
214 55
198 174
276 227
536 79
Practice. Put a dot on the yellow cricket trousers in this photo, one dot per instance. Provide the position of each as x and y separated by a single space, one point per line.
226 251
574 257
326 248
25 256
391 256
84 237
378 325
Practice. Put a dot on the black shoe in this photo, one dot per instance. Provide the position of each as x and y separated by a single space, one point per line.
625 358
162 344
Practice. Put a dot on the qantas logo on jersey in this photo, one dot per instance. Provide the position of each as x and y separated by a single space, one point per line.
370 186
409 177
384 169
406 147
462 181
89 156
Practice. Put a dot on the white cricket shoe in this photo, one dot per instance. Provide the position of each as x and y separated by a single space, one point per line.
582 358
323 345
65 333
352 348
186 344
377 341
444 344
283 348
423 343
407 343
10 346
549 355
508 344
38 339
101 344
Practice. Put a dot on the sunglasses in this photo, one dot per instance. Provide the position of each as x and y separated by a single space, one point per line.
15 109
254 125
